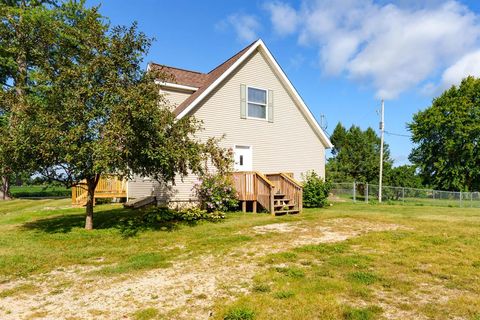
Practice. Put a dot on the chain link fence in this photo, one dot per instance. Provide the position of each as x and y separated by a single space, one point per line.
364 192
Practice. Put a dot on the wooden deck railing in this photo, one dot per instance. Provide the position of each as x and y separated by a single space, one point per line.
254 186
109 187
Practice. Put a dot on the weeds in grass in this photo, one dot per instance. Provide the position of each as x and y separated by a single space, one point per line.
363 277
291 272
240 313
21 289
283 294
261 287
146 314
361 313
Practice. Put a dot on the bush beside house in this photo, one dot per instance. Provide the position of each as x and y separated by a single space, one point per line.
315 190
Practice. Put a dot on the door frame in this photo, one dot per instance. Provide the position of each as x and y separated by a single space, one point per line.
250 147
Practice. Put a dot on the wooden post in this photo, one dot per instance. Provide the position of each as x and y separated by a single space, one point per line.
272 195
244 206
74 195
300 201
254 207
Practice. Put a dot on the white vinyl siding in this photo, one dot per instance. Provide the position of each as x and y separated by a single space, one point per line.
288 144
175 97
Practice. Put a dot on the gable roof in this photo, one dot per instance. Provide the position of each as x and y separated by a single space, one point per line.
207 82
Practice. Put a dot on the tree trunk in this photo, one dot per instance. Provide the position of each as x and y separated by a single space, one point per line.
5 189
91 185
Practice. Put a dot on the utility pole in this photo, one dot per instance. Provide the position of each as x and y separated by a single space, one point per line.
382 130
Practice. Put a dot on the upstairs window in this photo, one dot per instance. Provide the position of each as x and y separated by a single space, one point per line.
257 103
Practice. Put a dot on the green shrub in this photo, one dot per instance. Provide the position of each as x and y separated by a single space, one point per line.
315 190
162 214
216 193
240 314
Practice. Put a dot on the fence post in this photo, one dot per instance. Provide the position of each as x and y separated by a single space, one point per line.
460 199
366 193
354 192
403 195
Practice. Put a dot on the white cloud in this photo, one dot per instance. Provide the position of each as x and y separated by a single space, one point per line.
392 47
245 26
468 65
283 17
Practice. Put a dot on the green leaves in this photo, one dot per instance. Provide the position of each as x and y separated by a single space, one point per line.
356 155
447 135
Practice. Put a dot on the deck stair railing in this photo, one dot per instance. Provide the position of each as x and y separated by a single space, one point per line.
277 193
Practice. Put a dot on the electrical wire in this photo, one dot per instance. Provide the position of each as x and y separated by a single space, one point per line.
398 134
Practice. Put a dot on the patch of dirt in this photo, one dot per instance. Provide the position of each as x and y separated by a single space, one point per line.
186 290
424 294
286 227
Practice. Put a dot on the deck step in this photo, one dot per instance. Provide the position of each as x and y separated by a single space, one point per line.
291 205
281 201
282 212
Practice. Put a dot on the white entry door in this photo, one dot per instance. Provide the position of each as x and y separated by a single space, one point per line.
243 158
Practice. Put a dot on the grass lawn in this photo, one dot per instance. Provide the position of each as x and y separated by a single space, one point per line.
349 261
39 191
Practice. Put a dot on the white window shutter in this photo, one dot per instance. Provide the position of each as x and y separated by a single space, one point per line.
270 106
243 101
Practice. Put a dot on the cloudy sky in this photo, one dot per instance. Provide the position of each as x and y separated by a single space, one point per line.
343 56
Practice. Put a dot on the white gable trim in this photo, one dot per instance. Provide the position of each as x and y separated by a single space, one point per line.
259 44
176 86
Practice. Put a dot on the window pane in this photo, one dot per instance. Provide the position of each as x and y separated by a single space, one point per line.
257 111
257 95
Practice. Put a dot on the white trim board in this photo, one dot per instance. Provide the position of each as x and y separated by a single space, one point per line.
303 107
176 86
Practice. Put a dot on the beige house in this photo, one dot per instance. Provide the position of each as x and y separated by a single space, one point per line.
249 100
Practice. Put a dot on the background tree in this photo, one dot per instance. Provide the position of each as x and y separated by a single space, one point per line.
404 176
447 138
356 155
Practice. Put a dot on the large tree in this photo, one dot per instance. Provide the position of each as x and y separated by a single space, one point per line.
447 138
356 155
96 111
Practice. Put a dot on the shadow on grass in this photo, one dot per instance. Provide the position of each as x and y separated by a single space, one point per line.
128 222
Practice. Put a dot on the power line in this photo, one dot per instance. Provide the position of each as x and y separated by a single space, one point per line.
398 134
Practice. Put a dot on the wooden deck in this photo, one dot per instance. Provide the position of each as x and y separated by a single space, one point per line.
110 187
277 193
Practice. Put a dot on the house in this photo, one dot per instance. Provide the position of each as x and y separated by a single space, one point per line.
273 135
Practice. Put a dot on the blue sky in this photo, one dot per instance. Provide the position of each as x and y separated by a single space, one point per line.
343 56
